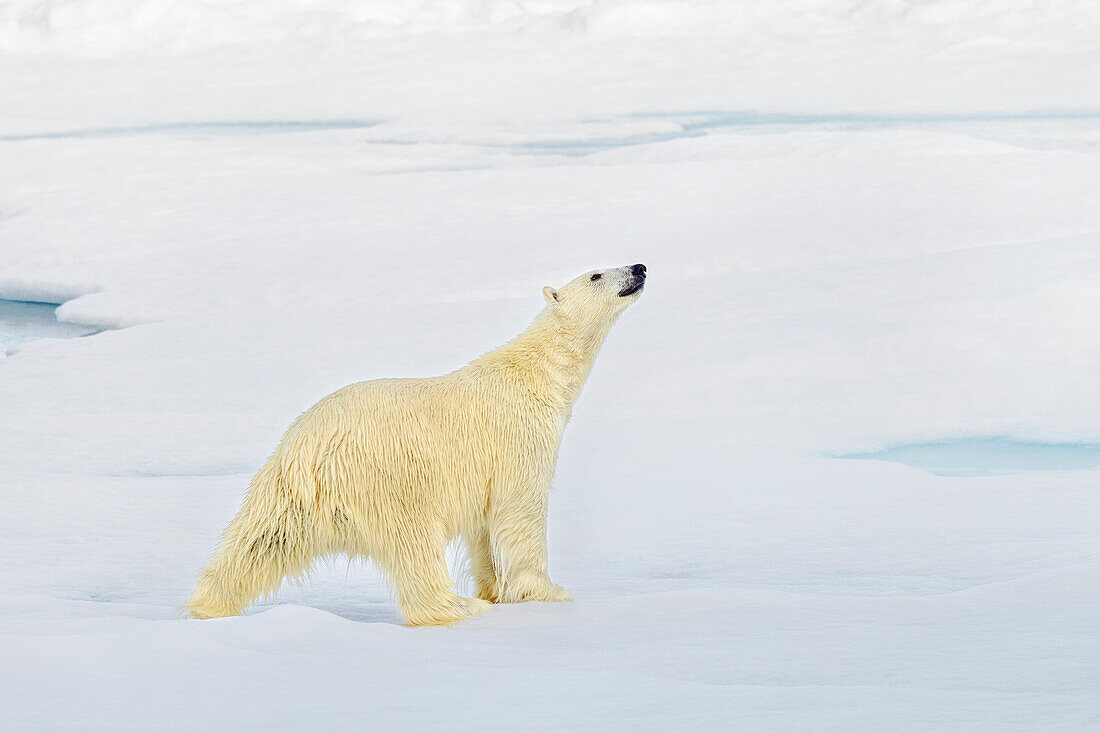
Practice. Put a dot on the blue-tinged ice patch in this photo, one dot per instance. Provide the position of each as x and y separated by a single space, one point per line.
988 456
22 321
1041 130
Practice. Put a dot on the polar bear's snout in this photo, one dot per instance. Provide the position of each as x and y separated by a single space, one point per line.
635 280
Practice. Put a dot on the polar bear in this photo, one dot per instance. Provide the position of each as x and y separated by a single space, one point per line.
394 469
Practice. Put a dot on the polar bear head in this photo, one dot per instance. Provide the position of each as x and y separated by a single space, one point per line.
594 300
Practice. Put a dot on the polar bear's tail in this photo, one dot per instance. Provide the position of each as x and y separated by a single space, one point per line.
270 538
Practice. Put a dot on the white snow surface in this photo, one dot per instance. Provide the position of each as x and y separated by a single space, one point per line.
866 225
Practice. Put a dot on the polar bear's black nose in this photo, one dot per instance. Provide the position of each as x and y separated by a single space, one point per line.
639 271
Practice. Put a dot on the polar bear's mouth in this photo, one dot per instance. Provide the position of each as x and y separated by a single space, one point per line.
631 289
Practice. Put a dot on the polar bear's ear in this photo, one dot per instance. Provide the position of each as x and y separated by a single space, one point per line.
551 295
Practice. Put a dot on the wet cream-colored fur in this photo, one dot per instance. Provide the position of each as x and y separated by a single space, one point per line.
393 469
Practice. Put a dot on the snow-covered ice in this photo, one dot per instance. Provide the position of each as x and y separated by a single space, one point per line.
867 226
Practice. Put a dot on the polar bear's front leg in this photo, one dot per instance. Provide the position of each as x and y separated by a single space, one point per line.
517 539
484 570
416 564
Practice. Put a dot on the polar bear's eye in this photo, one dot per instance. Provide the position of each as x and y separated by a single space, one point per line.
596 277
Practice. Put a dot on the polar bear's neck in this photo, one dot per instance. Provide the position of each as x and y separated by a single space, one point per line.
552 357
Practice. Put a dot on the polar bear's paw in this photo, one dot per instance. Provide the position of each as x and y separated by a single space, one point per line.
546 592
551 594
454 610
472 606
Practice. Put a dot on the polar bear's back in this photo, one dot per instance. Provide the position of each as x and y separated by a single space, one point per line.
376 449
